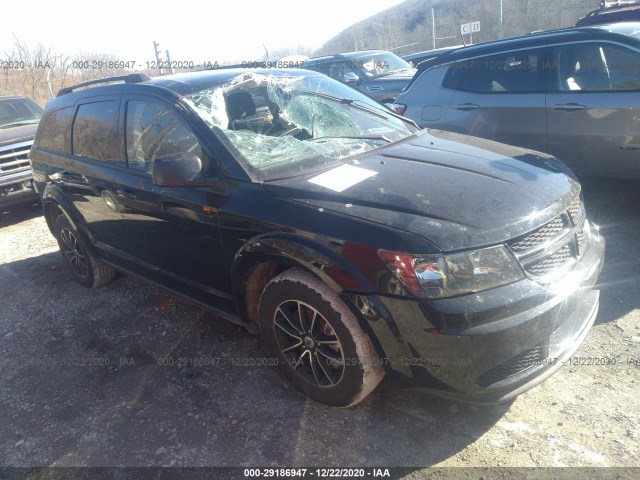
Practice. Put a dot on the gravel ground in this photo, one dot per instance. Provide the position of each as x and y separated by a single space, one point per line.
137 405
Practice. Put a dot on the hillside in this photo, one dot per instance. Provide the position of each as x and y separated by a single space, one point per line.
407 27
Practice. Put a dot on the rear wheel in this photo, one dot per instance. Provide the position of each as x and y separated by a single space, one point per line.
87 271
317 340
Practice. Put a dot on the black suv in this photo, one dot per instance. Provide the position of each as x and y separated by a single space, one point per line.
354 243
19 117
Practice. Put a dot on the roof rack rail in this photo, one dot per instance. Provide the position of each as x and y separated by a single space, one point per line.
132 78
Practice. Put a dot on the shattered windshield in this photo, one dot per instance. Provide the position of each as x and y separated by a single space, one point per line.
286 125
377 65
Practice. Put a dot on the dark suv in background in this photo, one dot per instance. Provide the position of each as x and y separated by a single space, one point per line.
19 117
378 73
356 244
625 12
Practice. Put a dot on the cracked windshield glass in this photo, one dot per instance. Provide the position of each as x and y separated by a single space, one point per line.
286 125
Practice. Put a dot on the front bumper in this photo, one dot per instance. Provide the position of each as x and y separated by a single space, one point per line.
16 188
491 346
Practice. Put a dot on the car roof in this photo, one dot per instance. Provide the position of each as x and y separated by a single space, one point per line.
14 97
186 83
180 83
430 53
613 13
613 31
346 55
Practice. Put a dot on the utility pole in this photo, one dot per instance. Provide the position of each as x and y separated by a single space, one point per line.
158 61
433 28
169 62
501 27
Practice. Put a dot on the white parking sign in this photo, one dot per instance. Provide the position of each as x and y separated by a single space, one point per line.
467 28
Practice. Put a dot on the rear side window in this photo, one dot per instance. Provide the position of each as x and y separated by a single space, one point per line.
95 131
153 131
54 135
513 72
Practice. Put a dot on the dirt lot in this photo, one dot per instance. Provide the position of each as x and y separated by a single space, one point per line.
136 405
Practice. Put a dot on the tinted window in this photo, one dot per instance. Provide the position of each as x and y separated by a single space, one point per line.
18 110
55 130
509 72
95 131
154 131
592 67
336 68
624 68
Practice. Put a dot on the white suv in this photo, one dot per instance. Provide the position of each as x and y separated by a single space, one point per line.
573 93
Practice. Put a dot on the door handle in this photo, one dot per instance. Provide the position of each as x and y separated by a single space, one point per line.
569 107
466 106
126 193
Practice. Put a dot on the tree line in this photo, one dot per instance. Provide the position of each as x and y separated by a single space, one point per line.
408 27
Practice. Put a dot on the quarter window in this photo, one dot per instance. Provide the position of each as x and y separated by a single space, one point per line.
594 67
55 131
513 72
95 131
154 131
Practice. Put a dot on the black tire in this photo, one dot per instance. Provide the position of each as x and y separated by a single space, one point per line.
327 356
86 270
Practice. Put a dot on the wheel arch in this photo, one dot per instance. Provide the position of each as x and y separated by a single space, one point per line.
263 257
54 203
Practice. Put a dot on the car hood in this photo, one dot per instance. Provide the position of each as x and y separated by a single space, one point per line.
18 134
456 191
404 75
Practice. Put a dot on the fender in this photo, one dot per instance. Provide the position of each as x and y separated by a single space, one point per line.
319 256
52 195
325 260
322 258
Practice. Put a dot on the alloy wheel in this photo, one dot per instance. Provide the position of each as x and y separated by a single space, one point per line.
72 252
309 343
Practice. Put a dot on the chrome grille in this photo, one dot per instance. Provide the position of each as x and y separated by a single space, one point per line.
555 246
576 212
551 262
540 236
14 160
581 238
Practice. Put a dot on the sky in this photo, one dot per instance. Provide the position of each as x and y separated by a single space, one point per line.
231 30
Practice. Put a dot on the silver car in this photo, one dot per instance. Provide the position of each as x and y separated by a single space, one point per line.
573 93
380 74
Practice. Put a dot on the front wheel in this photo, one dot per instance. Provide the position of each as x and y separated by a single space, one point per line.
317 340
87 271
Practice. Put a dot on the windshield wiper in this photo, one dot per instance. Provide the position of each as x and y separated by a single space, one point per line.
349 101
21 122
346 101
357 137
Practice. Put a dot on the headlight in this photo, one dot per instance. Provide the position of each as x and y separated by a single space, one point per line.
441 276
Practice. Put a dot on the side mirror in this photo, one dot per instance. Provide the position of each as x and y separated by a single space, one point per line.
176 170
350 77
